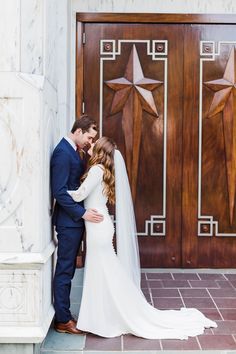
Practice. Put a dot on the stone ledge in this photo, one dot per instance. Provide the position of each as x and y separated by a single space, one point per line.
25 259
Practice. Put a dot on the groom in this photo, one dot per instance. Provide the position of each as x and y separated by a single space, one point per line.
67 167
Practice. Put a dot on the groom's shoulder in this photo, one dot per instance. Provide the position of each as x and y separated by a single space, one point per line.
60 148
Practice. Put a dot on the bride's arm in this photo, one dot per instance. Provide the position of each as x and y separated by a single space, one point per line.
93 178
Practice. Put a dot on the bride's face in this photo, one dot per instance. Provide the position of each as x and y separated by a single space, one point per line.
90 150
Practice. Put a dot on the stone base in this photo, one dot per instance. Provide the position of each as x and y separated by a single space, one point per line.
20 348
33 334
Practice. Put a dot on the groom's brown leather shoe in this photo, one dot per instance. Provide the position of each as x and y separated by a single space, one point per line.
68 327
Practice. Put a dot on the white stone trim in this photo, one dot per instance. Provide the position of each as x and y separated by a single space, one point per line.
207 219
22 259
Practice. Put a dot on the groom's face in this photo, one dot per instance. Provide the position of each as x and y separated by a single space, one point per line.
85 139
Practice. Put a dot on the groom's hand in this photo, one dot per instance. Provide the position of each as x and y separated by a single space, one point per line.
92 215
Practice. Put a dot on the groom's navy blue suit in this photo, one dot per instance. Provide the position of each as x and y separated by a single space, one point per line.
66 170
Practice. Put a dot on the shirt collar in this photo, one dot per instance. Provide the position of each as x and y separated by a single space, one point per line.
71 142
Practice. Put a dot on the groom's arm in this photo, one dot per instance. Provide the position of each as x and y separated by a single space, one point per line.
60 170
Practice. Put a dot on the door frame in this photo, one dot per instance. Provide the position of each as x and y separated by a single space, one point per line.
82 18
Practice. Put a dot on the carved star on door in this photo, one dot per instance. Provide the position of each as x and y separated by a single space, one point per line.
224 100
133 94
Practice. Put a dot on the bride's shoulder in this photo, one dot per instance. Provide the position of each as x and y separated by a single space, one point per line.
97 169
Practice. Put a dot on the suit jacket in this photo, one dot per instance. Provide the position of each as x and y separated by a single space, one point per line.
66 170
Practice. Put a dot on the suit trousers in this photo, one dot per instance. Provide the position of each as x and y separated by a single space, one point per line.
69 241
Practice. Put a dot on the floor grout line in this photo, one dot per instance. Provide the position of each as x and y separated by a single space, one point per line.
122 343
234 338
214 304
198 341
181 297
161 346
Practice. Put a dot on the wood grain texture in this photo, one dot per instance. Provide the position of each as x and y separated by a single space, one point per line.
155 18
218 141
133 115
79 69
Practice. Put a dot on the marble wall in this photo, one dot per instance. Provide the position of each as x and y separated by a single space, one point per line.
156 6
30 126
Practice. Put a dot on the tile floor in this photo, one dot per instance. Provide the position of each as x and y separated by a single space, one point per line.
213 292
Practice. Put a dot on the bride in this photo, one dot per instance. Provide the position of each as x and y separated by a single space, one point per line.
112 302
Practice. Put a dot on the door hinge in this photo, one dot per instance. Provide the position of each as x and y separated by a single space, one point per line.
83 107
84 38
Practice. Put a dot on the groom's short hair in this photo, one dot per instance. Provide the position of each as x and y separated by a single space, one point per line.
84 123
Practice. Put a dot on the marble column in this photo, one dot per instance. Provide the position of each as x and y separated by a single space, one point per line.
30 126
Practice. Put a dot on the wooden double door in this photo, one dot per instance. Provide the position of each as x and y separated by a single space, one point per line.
166 93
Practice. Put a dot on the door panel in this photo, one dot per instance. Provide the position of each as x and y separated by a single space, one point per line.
166 94
209 147
133 86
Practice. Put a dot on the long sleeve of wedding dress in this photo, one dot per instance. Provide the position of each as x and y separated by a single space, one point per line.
111 302
93 178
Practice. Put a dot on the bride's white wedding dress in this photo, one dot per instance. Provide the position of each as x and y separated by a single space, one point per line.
111 303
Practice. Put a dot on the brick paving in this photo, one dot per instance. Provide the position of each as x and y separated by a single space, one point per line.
212 293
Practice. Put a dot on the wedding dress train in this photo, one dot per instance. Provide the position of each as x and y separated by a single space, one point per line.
111 303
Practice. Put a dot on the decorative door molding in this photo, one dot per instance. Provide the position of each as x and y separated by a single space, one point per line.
142 88
224 102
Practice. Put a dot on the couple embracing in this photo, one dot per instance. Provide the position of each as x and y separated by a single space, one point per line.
112 301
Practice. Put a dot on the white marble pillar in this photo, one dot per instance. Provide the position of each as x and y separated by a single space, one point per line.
30 126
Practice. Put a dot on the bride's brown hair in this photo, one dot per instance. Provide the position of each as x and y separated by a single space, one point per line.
103 153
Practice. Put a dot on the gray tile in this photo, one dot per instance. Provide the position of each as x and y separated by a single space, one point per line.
61 352
78 277
63 341
18 348
74 309
76 294
128 352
